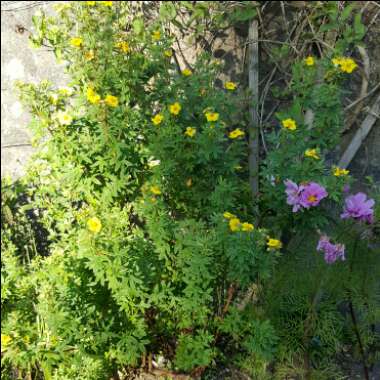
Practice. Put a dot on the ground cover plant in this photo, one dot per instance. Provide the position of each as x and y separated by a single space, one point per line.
133 241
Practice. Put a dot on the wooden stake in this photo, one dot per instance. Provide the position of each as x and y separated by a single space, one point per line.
253 84
360 135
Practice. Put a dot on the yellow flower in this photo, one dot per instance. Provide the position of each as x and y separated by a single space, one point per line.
337 61
338 172
348 65
94 225
90 3
89 55
155 190
92 96
168 53
157 119
106 3
175 108
274 244
230 86
123 46
312 153
289 124
111 100
64 118
190 131
5 340
189 182
156 35
228 215
212 116
309 61
76 41
186 72
234 224
247 227
236 133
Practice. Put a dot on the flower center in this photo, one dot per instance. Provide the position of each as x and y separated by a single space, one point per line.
312 198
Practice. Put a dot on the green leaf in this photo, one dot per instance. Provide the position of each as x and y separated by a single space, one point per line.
138 25
347 11
359 28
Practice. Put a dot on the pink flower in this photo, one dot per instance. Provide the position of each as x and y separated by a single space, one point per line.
304 195
312 195
332 252
294 194
358 207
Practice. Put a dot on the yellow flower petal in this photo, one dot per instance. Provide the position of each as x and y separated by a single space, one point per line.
309 61
312 153
111 100
89 55
156 35
247 227
234 224
212 116
274 244
289 124
157 119
123 46
236 133
338 172
5 340
230 86
92 96
175 108
94 225
190 131
155 190
228 215
76 41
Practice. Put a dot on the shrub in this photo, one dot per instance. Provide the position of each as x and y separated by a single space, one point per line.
153 246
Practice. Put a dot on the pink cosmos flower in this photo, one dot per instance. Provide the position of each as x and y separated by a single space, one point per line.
332 252
294 194
312 195
304 195
358 207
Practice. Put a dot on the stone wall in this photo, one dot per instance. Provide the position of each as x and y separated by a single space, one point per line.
20 62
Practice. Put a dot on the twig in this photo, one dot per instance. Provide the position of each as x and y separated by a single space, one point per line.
230 294
362 353
253 84
362 98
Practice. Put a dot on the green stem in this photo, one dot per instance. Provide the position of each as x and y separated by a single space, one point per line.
354 320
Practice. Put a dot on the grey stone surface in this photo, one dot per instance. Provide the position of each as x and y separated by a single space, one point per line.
20 62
